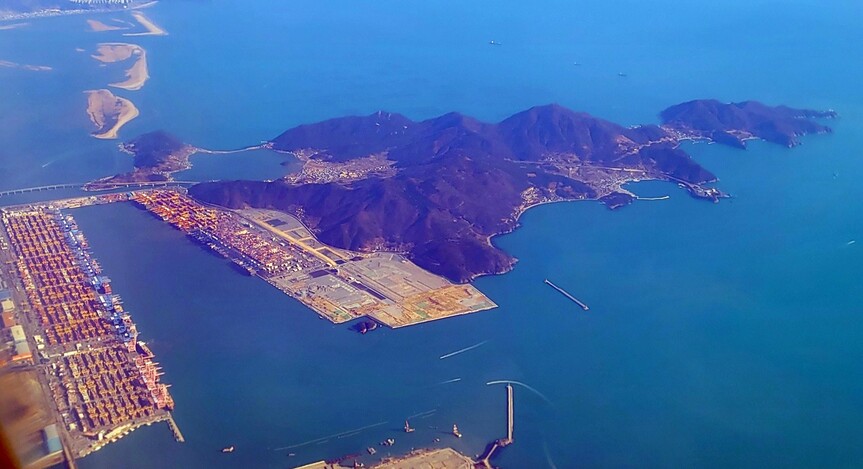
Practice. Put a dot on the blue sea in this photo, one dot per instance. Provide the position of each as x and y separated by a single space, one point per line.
719 335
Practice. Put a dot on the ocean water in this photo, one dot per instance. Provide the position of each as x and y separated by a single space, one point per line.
718 335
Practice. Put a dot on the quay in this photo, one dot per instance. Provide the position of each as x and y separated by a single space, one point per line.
566 294
99 381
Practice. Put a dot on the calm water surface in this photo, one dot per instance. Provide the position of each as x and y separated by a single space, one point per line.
718 335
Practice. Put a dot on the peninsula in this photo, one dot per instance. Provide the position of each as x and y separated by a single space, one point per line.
438 190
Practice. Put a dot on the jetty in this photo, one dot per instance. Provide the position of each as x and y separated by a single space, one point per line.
566 294
495 445
175 429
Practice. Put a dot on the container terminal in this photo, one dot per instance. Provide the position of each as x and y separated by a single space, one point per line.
338 284
101 381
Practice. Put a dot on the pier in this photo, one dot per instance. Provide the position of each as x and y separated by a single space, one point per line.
566 294
175 429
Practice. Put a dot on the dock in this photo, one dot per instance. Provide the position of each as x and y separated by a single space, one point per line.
566 294
175 429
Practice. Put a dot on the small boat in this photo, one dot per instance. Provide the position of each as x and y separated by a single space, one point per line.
455 431
408 428
371 450
494 43
228 449
621 74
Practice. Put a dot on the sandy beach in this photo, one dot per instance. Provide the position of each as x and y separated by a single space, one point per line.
109 113
137 74
152 28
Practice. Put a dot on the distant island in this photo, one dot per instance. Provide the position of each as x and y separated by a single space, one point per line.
438 190
18 9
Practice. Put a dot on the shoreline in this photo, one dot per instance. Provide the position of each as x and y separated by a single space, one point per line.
517 224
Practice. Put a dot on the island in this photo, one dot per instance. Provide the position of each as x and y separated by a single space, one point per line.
109 113
137 74
438 190
156 156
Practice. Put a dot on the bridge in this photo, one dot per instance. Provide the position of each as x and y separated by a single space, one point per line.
98 186
40 188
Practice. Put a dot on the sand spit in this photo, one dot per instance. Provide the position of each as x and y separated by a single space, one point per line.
32 68
137 74
152 28
6 27
98 26
108 112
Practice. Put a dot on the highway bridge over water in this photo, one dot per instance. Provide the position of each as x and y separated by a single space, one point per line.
101 186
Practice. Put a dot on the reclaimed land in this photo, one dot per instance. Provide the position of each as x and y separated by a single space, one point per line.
451 183
338 284
102 381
